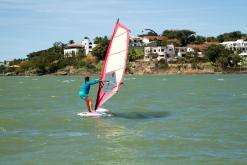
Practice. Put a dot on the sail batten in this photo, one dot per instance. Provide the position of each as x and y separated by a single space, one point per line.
119 34
112 54
114 65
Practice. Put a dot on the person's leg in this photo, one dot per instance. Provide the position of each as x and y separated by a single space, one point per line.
89 104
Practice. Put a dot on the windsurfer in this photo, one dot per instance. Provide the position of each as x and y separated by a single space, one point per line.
84 91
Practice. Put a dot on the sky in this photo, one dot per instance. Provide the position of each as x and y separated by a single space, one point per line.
30 25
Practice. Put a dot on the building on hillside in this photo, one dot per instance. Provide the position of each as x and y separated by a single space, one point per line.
71 50
202 48
88 45
239 45
159 52
135 41
83 48
181 51
145 40
4 63
165 52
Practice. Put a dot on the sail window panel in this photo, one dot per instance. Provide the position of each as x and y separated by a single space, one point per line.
110 82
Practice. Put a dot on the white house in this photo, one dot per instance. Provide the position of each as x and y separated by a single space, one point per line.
165 52
135 41
181 51
189 49
159 52
88 45
85 47
148 39
239 45
145 40
73 50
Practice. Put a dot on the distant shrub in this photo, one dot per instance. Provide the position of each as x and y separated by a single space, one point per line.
162 64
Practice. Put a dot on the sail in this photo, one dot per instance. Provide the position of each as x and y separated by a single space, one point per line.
113 70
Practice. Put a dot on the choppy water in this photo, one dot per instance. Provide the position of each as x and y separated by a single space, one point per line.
169 119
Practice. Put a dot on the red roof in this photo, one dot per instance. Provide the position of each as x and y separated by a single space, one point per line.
74 46
202 47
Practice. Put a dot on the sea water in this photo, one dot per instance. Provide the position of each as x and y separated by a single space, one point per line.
166 119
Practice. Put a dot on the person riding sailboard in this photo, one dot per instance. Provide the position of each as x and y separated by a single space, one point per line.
84 92
114 66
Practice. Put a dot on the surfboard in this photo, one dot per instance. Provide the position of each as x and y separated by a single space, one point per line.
99 112
94 114
102 110
90 114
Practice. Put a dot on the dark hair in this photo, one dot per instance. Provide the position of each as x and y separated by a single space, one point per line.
86 78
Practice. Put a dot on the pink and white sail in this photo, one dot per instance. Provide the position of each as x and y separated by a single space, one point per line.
113 70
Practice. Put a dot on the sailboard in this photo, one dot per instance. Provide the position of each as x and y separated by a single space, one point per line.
113 70
101 112
98 113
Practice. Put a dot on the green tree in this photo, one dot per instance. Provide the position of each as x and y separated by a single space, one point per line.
211 39
132 55
234 60
216 51
101 49
184 36
222 57
199 40
46 61
71 41
162 64
15 62
232 36
3 69
164 42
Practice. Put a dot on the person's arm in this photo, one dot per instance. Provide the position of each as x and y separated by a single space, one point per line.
93 82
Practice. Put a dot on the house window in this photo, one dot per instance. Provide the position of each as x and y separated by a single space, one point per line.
162 50
154 50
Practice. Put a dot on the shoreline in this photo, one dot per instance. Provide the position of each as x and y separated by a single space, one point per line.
160 72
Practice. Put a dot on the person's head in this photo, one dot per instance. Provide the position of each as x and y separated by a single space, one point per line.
87 78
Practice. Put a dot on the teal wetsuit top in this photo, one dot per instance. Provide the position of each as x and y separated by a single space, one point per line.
84 91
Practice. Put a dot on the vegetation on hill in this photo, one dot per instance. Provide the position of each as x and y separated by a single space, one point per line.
232 36
222 58
52 59
101 49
